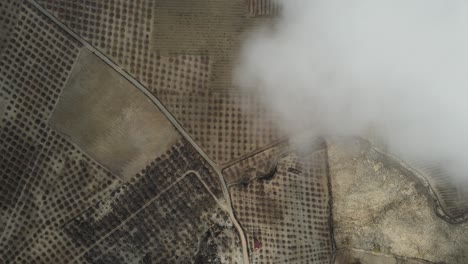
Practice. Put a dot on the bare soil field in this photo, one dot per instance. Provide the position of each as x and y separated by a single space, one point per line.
110 119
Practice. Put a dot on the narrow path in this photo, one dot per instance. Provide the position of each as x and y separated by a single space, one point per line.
254 152
374 253
130 217
168 188
223 206
438 208
161 107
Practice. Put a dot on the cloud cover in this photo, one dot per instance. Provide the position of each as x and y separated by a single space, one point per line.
342 67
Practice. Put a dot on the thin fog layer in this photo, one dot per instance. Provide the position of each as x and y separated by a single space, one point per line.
341 68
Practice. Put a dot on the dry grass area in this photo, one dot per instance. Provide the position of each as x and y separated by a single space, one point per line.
111 119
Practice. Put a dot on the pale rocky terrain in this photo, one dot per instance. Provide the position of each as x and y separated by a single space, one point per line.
380 207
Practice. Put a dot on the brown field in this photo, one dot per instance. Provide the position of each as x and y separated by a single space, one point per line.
110 119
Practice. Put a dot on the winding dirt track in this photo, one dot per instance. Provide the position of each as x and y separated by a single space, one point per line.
163 109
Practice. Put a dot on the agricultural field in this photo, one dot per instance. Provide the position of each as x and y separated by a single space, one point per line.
123 139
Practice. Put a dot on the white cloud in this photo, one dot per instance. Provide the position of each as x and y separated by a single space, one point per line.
338 67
